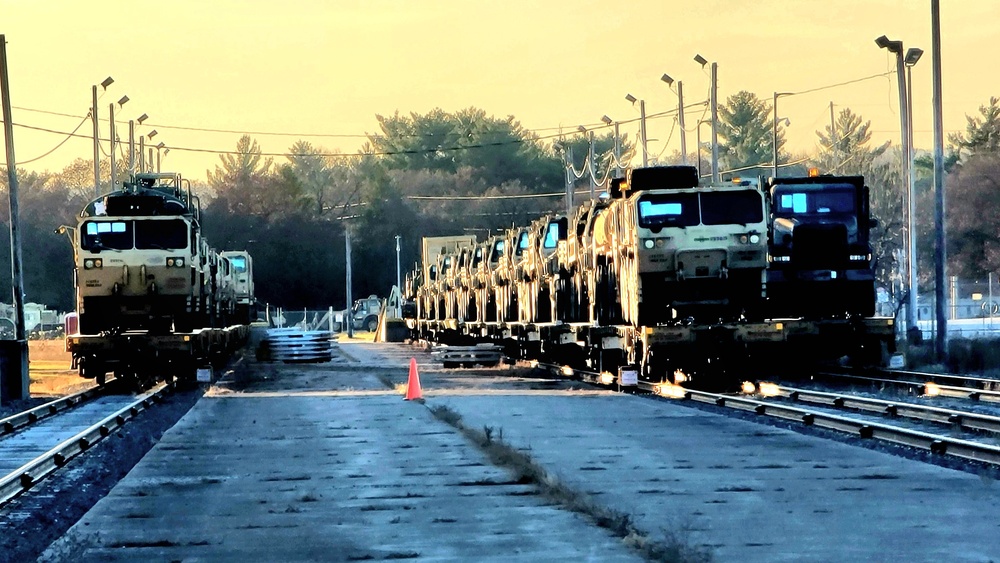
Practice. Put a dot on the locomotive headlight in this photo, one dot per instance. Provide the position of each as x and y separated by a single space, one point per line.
648 243
179 262
754 239
88 264
744 239
170 262
660 243
98 263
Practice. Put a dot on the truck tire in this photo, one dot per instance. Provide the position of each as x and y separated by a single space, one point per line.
371 323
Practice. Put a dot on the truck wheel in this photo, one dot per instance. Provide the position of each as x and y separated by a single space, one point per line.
371 323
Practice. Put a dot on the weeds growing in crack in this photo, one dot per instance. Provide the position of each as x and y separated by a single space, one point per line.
676 545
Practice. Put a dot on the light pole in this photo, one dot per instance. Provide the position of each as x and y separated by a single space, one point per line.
642 126
896 47
142 151
160 147
618 146
714 100
940 249
680 114
774 131
698 152
97 133
590 158
131 142
912 56
114 138
398 282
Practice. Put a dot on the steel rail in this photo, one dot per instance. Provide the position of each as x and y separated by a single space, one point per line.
962 419
983 382
936 444
929 387
31 473
26 418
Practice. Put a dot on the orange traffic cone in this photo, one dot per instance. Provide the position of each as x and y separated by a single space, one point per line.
413 383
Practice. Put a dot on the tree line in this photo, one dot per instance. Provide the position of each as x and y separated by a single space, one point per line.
465 172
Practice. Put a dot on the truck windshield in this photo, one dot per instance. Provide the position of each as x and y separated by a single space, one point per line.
668 210
732 207
239 263
814 199
551 236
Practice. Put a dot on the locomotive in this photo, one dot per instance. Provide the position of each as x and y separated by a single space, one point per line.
664 274
154 299
143 264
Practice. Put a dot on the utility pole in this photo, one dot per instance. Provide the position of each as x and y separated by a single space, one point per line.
680 121
618 153
834 143
568 165
941 303
97 151
14 381
590 164
131 147
642 132
111 112
349 314
398 282
715 123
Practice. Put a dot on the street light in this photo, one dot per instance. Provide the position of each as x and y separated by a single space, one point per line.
714 100
774 131
698 152
114 138
912 56
159 148
398 283
680 114
618 146
131 142
97 134
896 47
590 159
642 126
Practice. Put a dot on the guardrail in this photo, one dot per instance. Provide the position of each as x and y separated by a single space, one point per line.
29 474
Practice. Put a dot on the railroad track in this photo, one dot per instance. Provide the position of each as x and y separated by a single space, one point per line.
834 419
929 384
24 419
43 447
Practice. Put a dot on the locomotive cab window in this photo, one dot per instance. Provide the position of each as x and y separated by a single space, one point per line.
162 235
107 235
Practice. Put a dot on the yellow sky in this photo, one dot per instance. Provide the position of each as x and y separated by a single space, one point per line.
327 67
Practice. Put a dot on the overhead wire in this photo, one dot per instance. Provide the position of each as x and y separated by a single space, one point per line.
53 149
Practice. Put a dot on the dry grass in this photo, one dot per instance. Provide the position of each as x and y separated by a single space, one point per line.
675 546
